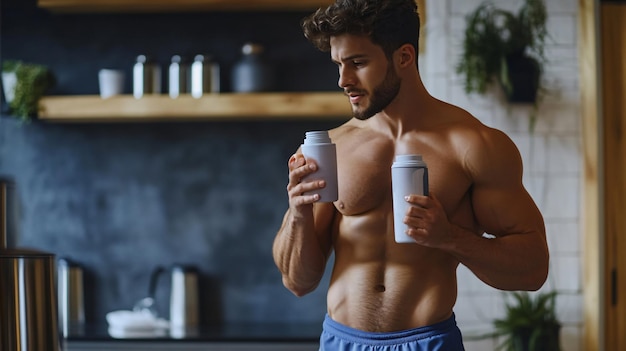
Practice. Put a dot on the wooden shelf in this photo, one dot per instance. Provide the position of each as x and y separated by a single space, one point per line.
225 106
127 6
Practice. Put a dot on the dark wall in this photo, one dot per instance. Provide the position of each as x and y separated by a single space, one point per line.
121 199
76 46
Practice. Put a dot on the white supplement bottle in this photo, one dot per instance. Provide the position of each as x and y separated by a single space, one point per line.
318 147
409 176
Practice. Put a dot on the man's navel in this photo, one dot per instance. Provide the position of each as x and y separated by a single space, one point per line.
379 288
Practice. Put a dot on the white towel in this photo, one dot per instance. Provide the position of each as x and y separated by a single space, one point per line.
125 324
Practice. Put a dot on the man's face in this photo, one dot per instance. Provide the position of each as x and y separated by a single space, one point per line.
366 75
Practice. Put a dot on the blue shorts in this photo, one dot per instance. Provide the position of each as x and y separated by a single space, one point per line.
443 336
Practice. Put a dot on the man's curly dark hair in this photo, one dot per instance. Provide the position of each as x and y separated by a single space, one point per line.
388 23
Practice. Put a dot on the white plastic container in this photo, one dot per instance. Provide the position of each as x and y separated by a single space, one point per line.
409 176
318 147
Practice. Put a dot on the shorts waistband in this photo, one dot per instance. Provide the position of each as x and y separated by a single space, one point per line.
388 338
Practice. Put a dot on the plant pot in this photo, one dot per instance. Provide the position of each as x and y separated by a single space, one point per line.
9 82
548 340
523 74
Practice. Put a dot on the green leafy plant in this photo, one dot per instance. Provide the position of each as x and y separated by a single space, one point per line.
530 323
33 81
501 46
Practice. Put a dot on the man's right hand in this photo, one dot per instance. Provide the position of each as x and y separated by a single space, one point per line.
299 168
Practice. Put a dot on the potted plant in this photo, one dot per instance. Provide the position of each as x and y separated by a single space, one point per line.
24 85
530 323
501 46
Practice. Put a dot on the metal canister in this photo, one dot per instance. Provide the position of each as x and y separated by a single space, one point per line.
146 77
252 73
179 81
205 76
28 300
70 296
28 303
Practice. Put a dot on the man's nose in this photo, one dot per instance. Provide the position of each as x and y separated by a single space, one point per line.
346 79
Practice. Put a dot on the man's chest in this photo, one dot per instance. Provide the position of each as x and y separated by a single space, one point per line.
365 180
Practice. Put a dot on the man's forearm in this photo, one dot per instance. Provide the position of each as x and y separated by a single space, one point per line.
299 255
511 262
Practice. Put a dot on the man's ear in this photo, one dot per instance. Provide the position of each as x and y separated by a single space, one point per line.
406 55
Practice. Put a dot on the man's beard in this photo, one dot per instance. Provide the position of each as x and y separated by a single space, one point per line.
382 95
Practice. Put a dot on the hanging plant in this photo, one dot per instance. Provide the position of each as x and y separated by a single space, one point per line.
507 48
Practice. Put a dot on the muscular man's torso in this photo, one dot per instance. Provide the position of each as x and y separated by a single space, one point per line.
378 285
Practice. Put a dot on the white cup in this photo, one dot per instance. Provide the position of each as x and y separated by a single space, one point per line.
111 82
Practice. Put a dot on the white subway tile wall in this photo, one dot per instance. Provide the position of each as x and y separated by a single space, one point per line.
551 155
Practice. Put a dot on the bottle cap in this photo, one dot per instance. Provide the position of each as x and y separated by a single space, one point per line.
409 161
317 137
251 49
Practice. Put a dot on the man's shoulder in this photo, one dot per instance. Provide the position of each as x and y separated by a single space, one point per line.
466 127
472 140
485 149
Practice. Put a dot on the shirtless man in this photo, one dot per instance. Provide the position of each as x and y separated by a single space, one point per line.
383 293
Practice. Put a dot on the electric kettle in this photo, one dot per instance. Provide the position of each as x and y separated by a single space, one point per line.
70 295
184 306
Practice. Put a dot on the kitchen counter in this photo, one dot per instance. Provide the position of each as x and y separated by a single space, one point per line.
226 332
234 336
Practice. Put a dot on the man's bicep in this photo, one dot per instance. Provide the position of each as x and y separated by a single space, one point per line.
503 210
501 204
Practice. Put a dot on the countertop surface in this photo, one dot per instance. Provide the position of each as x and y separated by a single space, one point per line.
230 332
